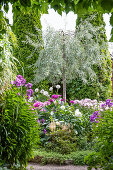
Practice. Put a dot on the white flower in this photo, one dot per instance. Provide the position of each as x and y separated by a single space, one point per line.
76 132
51 113
62 107
51 88
106 108
42 91
78 113
55 102
58 123
45 93
30 99
58 86
59 101
36 90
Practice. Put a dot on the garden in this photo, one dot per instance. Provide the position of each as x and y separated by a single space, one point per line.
56 103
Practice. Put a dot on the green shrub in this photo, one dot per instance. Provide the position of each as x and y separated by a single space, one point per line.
62 141
18 129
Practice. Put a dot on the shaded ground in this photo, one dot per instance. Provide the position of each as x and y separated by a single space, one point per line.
34 166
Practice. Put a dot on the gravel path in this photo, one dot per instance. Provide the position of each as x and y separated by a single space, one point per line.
35 166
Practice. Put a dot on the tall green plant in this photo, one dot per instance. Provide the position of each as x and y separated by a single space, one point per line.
25 23
18 129
8 62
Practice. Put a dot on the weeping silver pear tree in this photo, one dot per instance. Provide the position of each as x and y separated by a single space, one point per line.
68 55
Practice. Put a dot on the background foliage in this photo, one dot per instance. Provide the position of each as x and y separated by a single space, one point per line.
101 87
8 68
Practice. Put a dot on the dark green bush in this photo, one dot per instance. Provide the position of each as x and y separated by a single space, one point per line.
18 129
62 141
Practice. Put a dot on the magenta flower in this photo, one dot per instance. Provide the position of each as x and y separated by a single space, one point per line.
72 101
55 96
61 99
51 100
37 104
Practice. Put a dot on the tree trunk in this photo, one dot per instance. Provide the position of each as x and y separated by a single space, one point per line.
63 73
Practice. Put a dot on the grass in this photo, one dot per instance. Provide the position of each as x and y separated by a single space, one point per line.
76 158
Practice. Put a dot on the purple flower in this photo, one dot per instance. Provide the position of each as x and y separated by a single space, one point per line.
19 77
96 113
38 120
97 121
13 82
28 85
18 84
43 120
103 105
62 100
23 81
29 92
108 101
72 101
45 131
55 96
18 94
92 118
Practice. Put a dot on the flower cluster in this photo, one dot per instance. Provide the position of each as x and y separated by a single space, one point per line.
20 81
28 85
106 105
95 115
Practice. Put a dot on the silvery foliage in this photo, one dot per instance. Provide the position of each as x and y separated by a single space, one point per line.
82 51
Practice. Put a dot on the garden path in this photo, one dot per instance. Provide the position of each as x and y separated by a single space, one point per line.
35 166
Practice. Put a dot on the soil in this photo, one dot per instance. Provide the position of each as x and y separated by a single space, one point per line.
35 166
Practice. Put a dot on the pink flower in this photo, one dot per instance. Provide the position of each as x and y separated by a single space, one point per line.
43 110
37 104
